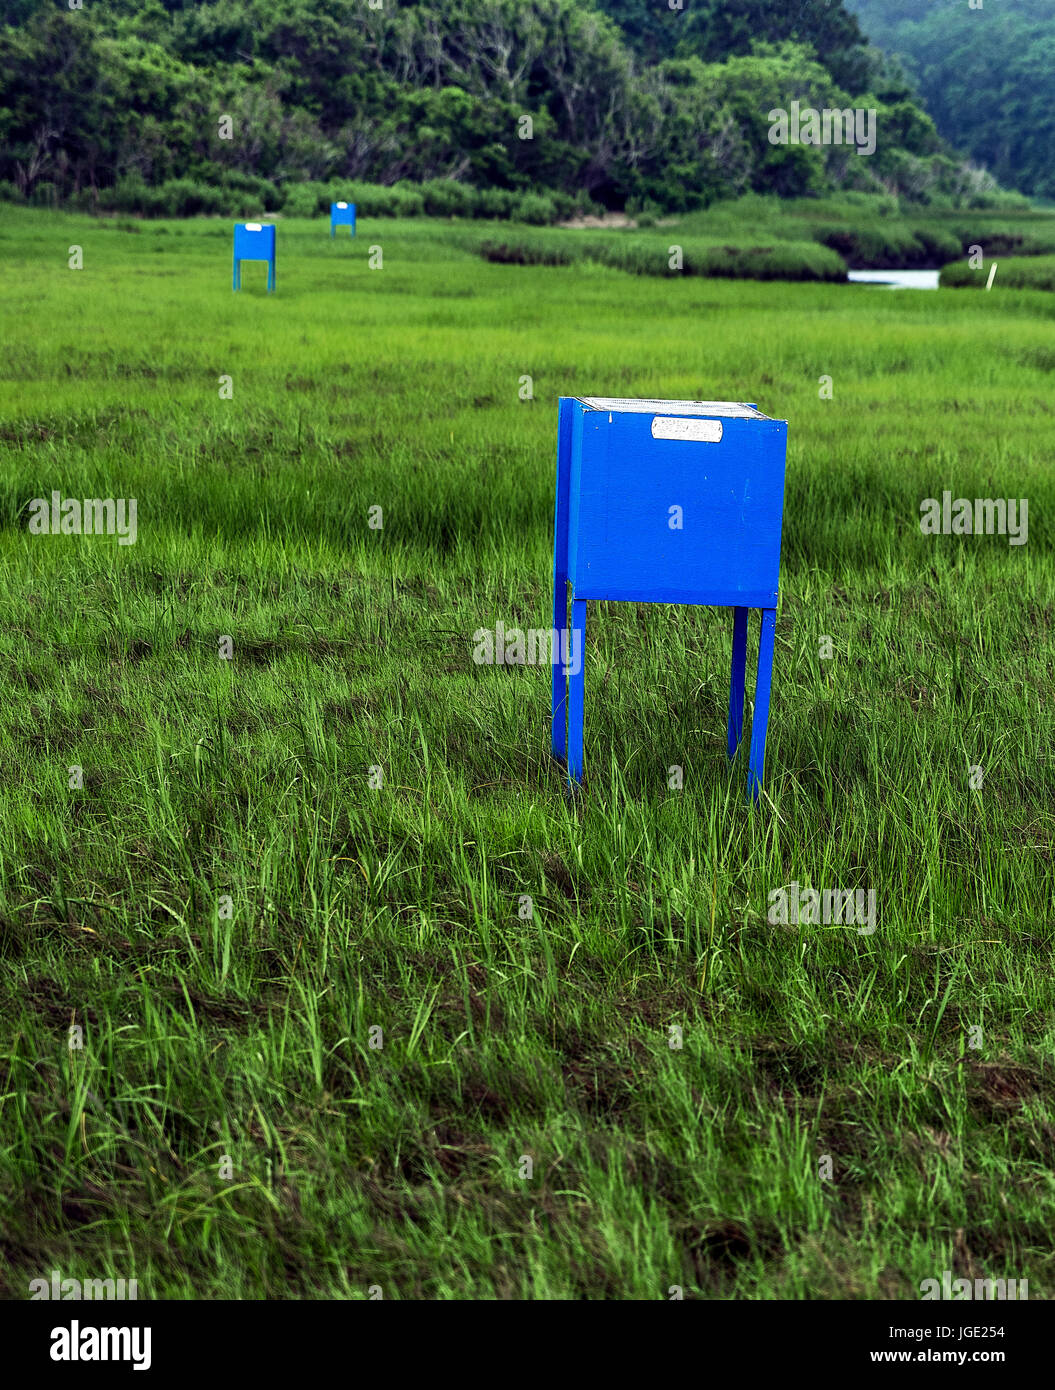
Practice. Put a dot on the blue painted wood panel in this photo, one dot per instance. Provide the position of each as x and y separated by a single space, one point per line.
254 241
721 545
342 215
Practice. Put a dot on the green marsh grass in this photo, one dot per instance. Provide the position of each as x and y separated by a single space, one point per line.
227 1129
1017 273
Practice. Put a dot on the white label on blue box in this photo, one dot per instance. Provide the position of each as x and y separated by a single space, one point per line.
673 427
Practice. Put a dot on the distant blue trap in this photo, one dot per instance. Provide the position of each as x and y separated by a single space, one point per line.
667 502
341 215
254 241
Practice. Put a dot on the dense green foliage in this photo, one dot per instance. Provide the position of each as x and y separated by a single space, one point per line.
987 76
714 29
174 107
917 1059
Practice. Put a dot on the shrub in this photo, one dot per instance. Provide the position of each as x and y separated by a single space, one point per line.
568 205
235 193
243 194
639 208
448 198
305 200
536 210
378 200
175 198
129 194
187 198
995 199
498 203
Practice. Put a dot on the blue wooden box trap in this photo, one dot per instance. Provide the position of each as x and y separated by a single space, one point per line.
254 241
667 502
342 215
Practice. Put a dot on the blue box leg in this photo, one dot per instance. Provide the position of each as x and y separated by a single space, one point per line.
576 687
763 681
559 694
236 279
270 276
559 702
737 680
